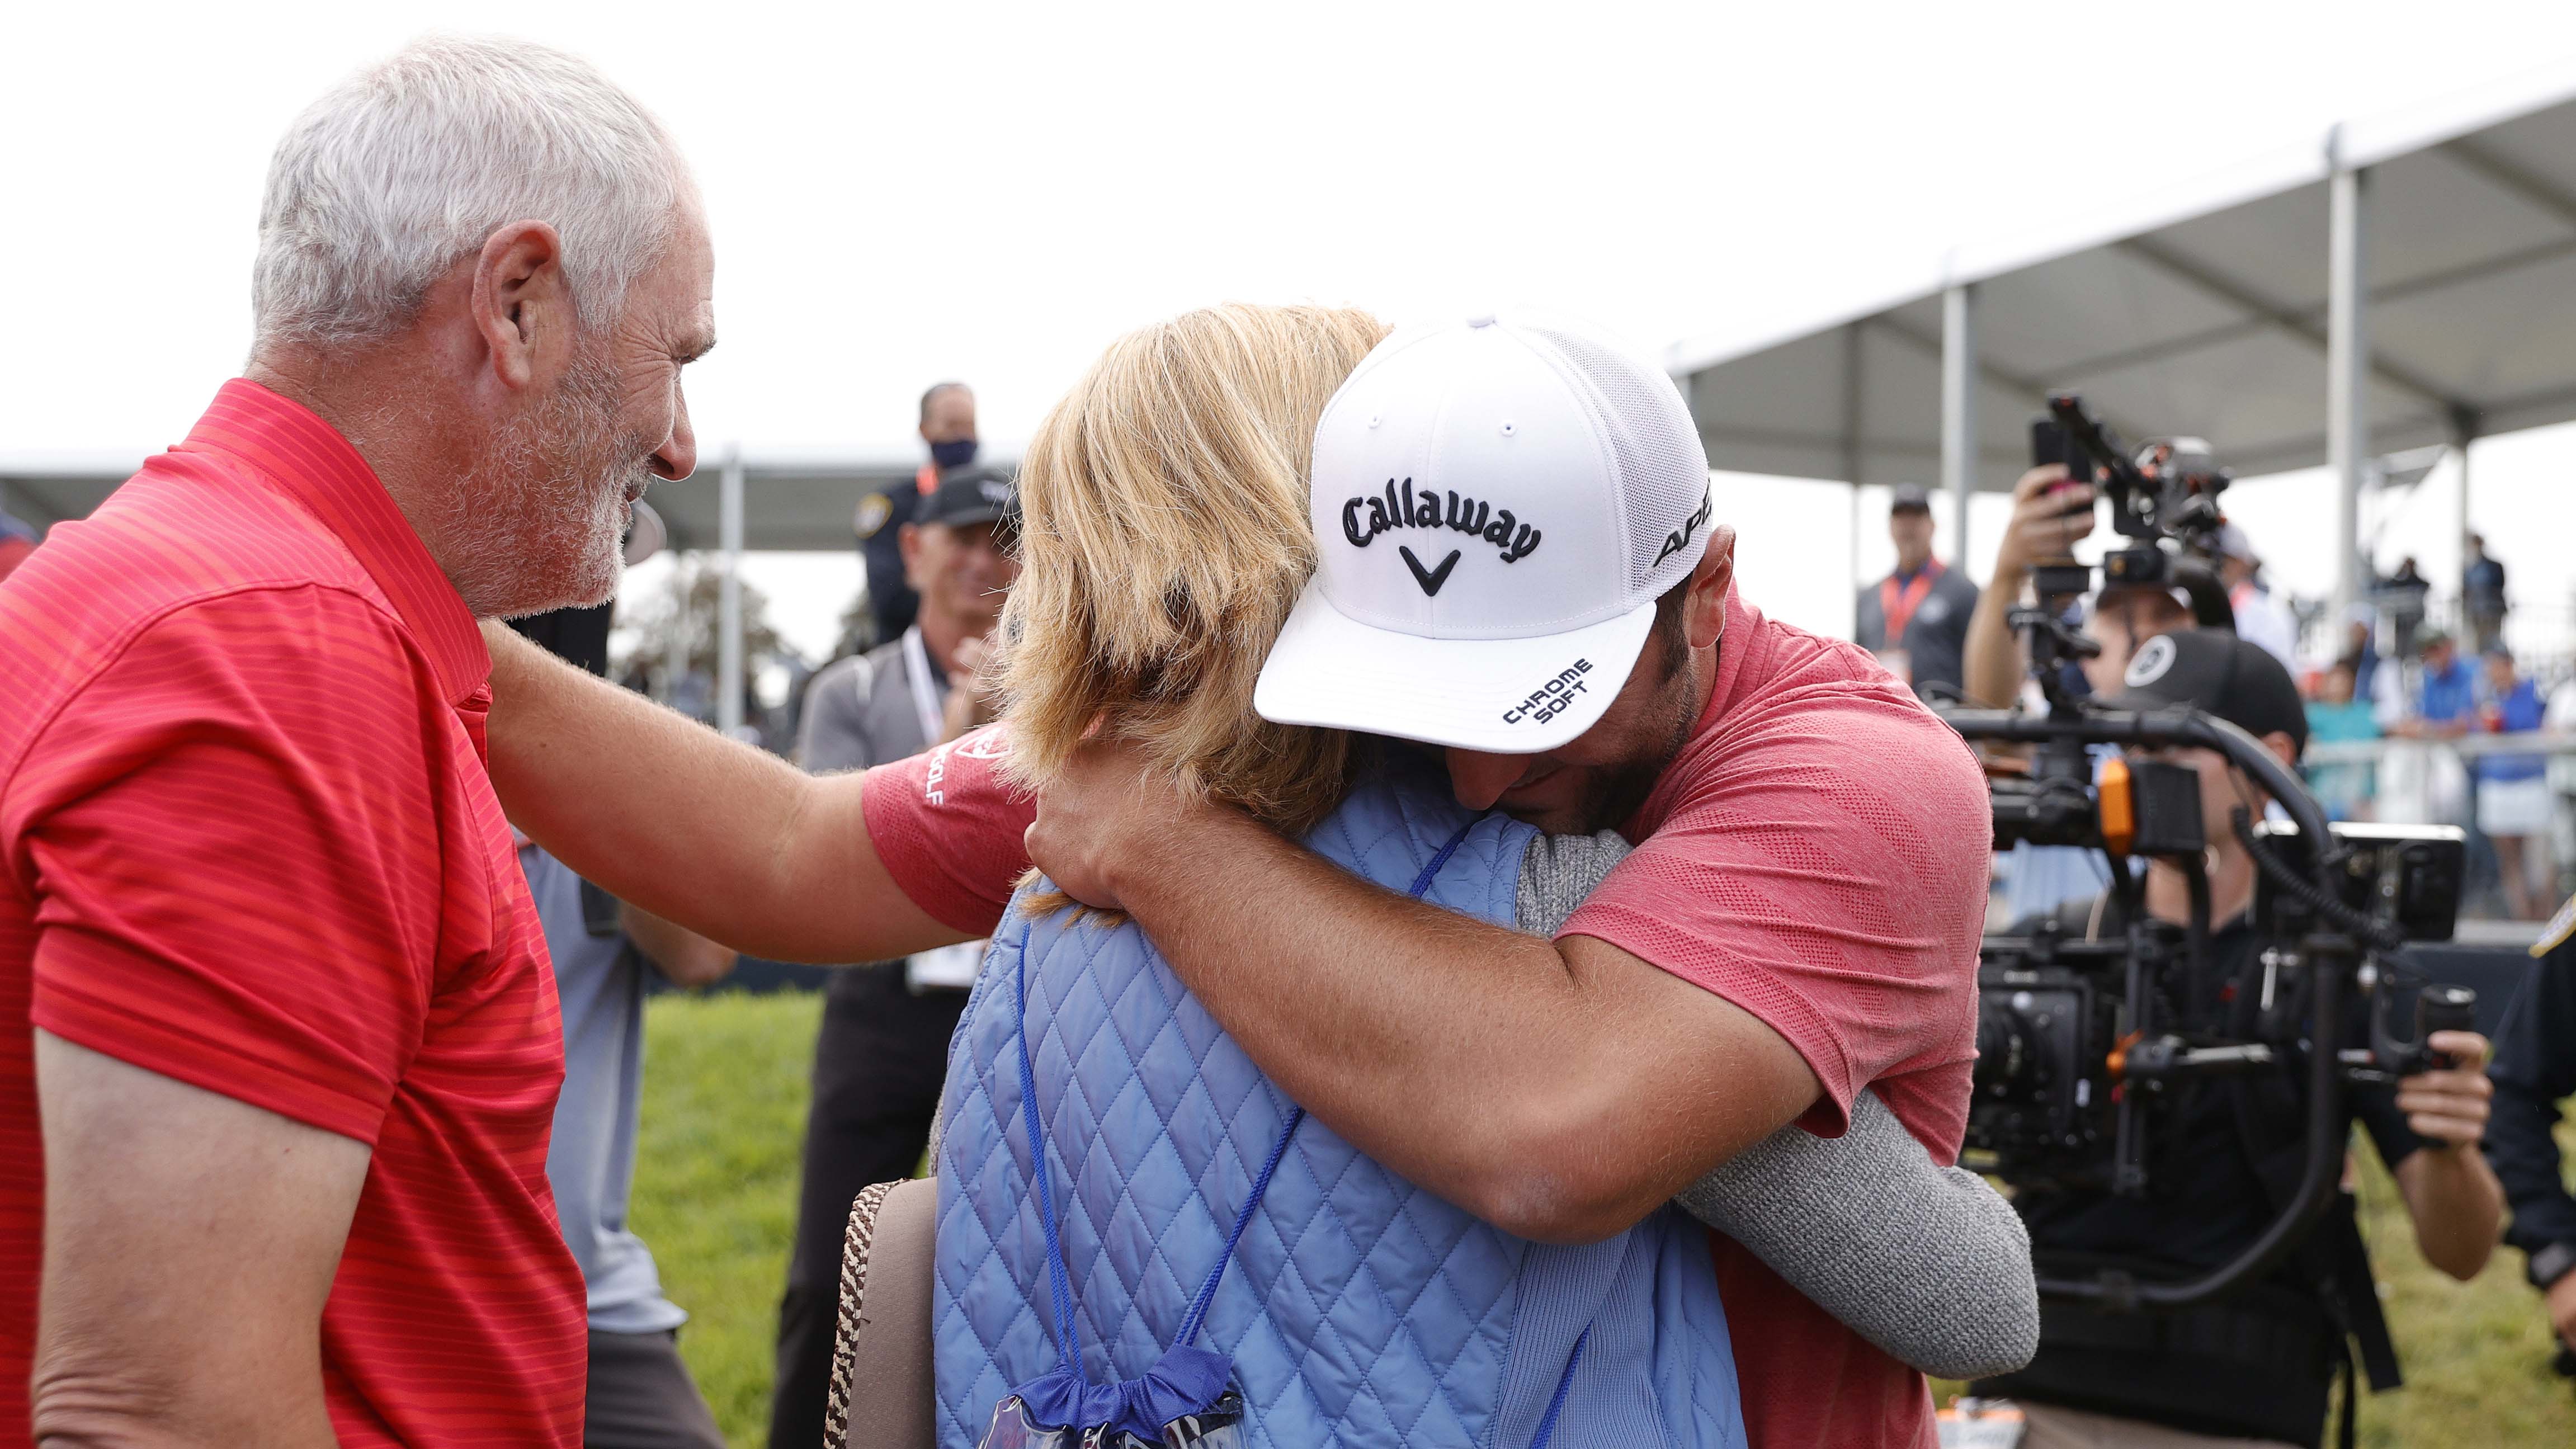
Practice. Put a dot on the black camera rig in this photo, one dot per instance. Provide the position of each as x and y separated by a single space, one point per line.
2078 1039
2083 1041
2164 500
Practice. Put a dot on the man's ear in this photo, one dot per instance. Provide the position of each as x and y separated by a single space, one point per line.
521 305
1704 607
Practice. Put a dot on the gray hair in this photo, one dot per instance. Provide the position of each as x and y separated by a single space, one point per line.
389 179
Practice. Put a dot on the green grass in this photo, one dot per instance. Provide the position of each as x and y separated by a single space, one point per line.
715 1195
2475 1354
715 1180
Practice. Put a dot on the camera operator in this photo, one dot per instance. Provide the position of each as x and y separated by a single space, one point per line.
2258 1365
2050 513
2535 1070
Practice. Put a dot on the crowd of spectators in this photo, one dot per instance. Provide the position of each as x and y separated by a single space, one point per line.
2389 704
398 1099
2399 680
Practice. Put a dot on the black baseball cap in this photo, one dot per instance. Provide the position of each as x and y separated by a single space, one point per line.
2214 670
1910 498
972 495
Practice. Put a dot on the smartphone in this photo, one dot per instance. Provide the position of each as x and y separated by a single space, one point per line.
2050 444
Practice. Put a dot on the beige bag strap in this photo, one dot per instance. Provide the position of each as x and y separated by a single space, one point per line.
883 1338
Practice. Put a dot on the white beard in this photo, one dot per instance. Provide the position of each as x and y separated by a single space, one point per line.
538 521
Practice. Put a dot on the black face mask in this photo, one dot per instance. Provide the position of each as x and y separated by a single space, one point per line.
955 453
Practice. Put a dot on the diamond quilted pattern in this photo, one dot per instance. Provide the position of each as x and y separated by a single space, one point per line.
1359 1309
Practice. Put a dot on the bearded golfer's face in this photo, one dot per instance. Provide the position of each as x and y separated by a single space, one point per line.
1599 778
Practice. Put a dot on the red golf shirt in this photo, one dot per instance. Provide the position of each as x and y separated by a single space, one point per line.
247 842
1816 854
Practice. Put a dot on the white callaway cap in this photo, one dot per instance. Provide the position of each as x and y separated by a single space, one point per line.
1497 505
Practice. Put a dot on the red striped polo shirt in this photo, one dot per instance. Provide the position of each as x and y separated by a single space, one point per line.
247 841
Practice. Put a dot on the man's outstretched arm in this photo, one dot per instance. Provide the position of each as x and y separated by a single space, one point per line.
771 861
1559 1090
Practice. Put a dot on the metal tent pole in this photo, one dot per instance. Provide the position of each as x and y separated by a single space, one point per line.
1853 464
675 656
1852 568
2461 437
2347 370
1959 409
2464 492
729 611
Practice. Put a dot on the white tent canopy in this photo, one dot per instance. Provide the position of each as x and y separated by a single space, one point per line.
2439 243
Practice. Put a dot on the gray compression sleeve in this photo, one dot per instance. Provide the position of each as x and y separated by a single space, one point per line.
1927 1262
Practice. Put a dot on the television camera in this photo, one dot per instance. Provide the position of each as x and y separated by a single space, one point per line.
2085 1041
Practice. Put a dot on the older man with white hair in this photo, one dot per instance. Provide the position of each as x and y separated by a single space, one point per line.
278 1046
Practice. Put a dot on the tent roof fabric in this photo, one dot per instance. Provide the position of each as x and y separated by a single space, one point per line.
790 501
2203 311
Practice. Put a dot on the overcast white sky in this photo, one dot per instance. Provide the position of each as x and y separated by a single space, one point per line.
902 193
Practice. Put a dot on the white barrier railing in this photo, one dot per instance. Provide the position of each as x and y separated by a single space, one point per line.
2470 746
2404 780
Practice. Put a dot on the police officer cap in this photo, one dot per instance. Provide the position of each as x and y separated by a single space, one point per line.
972 495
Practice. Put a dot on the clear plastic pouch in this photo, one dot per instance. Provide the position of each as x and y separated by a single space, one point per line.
1218 1427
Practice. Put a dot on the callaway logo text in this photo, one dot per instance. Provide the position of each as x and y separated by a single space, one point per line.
1552 698
1365 517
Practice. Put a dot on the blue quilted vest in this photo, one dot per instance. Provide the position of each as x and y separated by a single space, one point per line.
1359 1309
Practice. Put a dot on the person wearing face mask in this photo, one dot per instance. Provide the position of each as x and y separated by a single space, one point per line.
1173 533
948 428
886 1024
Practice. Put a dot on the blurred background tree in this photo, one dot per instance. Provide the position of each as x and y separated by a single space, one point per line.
657 624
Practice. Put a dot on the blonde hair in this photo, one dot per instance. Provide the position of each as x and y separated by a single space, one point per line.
1164 539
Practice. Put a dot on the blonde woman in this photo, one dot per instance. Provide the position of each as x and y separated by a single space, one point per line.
1166 541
